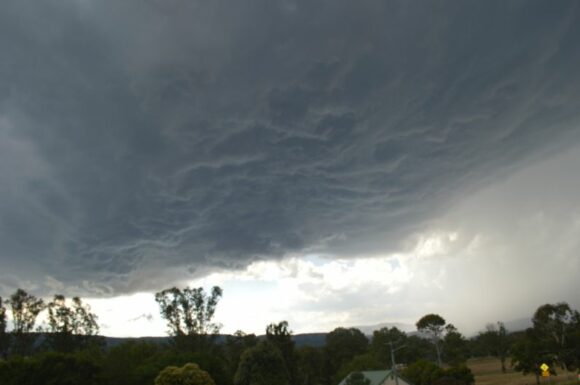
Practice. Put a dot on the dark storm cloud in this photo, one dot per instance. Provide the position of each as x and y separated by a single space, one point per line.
145 141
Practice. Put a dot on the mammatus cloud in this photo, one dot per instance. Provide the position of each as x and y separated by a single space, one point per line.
146 143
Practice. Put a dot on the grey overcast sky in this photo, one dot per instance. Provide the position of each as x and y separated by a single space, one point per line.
329 162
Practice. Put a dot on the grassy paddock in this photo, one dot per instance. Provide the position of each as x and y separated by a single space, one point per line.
487 371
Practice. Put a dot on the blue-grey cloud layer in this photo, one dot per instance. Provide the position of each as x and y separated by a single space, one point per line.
145 140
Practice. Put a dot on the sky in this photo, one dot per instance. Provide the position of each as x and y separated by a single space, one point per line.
329 163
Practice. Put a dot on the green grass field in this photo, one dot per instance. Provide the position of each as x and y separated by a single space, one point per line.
487 371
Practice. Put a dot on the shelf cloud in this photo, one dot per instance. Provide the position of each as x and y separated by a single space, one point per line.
147 143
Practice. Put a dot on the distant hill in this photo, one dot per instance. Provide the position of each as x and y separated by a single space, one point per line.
114 341
369 329
306 339
515 325
310 339
518 324
319 339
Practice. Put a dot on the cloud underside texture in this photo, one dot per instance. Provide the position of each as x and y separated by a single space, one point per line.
144 142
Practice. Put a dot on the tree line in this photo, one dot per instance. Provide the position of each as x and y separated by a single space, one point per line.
71 324
71 352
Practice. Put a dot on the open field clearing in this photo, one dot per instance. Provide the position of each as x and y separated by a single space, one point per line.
487 371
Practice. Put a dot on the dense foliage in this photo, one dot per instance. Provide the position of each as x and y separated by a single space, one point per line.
51 369
428 373
189 374
69 351
262 365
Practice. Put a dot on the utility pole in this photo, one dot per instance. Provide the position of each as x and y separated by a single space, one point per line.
393 365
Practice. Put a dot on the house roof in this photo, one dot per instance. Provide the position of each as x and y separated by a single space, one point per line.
378 377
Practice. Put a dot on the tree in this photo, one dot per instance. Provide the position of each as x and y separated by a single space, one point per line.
235 345
140 362
528 353
416 348
461 375
423 372
342 345
4 337
495 340
25 309
575 341
360 363
455 350
380 343
189 313
50 369
134 363
427 373
280 336
262 365
189 374
433 326
357 378
70 328
554 325
310 365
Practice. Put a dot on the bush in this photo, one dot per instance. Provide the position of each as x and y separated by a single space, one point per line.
189 374
50 369
428 373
